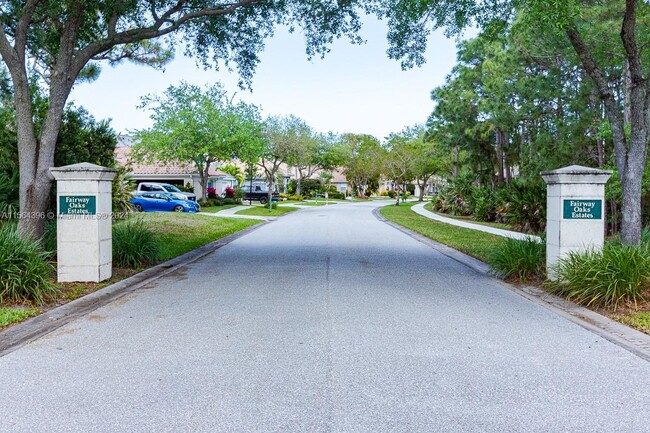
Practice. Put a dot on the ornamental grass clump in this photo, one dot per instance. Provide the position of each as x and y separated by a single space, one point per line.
618 274
521 259
25 274
134 245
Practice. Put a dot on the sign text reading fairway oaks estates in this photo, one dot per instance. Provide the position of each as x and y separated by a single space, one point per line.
583 209
77 205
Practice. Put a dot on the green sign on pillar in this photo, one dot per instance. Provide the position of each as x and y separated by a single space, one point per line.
77 205
583 209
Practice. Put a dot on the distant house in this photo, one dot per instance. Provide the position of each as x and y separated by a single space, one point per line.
341 183
178 174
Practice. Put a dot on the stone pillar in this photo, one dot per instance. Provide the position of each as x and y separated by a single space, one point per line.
575 212
84 238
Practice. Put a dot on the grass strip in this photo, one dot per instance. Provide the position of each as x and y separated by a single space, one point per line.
215 209
469 219
9 316
179 233
471 242
265 212
640 320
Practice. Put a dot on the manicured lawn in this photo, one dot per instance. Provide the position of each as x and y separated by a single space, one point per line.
469 219
640 320
471 242
182 232
215 209
265 212
14 315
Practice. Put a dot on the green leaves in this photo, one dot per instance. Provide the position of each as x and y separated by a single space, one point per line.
199 127
196 126
618 274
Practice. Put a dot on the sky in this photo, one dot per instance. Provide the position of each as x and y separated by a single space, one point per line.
355 88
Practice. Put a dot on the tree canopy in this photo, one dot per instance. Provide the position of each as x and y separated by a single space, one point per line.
197 127
60 43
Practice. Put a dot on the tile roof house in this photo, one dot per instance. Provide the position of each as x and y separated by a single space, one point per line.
178 174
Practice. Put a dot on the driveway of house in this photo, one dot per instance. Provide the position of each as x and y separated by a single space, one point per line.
326 320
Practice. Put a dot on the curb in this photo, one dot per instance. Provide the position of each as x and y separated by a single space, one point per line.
25 332
635 342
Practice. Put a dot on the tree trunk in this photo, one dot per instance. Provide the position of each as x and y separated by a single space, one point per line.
455 169
36 154
298 183
396 188
499 151
631 220
36 157
630 162
421 185
627 93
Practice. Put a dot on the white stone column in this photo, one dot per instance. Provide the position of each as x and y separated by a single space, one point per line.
84 222
575 212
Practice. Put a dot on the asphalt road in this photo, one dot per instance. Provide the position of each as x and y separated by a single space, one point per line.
326 320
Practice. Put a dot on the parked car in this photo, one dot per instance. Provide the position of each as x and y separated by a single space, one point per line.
163 187
259 193
163 202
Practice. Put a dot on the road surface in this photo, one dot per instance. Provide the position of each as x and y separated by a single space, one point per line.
326 320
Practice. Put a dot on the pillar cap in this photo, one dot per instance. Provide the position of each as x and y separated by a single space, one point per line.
576 174
83 171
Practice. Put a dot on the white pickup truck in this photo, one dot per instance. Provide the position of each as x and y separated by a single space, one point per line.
164 187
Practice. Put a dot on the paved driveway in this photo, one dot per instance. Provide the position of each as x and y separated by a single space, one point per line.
326 320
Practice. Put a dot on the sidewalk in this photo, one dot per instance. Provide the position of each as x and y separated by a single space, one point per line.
420 210
231 213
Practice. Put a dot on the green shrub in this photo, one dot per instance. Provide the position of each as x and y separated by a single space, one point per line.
620 273
134 245
337 195
8 195
454 198
49 238
309 187
188 187
391 193
24 271
523 206
482 203
123 184
523 259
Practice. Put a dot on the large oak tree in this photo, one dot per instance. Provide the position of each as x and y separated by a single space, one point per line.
61 41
